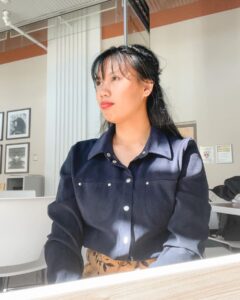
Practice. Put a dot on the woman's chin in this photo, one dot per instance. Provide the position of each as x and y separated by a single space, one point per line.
109 119
114 119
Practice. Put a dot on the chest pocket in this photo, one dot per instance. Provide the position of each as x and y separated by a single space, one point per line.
97 201
159 201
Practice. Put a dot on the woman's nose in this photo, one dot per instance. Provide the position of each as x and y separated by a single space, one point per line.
104 89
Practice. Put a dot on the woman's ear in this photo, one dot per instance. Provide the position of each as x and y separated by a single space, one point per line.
148 87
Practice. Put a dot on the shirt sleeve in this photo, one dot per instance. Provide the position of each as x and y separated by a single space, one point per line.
188 225
63 247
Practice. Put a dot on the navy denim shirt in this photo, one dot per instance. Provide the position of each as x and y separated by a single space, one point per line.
157 207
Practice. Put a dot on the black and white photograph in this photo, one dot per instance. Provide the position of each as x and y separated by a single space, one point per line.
0 159
1 125
18 124
17 158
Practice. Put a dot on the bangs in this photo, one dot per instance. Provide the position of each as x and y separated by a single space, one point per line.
123 61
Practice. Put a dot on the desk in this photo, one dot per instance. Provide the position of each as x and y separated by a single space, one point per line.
230 208
208 279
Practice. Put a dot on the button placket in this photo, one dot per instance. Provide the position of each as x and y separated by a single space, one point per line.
127 210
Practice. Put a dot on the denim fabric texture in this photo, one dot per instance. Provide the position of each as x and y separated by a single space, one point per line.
157 207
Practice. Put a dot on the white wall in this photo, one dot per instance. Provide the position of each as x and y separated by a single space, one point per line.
23 85
201 77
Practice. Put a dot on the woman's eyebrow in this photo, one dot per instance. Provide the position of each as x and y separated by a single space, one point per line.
114 71
110 73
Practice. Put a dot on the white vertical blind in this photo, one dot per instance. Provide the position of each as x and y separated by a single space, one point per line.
72 112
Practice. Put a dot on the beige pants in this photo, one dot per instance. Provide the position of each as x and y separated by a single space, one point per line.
100 264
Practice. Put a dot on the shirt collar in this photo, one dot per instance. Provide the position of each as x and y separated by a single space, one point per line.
157 143
103 144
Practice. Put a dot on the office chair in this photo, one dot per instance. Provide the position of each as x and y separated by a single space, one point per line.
24 226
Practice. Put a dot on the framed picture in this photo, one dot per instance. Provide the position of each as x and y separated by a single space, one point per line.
188 129
17 158
0 159
1 125
224 154
18 124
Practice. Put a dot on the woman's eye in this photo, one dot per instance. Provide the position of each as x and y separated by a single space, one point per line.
114 78
98 82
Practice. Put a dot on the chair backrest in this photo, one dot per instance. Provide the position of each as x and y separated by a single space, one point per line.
18 194
24 226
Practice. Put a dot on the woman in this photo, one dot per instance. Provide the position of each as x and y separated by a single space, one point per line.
136 197
18 126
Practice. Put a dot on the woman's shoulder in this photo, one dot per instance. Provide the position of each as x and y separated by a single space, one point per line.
84 146
78 153
182 143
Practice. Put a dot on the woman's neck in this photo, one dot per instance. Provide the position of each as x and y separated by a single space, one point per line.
132 134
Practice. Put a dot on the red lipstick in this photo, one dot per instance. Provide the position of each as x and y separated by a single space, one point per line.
106 104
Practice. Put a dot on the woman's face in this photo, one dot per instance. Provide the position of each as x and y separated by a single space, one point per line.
120 95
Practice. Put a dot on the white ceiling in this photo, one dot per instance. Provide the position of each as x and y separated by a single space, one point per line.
24 12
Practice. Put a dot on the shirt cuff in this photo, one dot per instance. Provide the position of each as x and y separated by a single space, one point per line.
173 255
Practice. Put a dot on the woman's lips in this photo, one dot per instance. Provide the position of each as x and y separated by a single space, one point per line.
105 104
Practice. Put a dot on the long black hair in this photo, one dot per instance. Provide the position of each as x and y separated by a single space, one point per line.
146 64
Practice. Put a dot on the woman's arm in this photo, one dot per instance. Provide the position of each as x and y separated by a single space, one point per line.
63 248
188 226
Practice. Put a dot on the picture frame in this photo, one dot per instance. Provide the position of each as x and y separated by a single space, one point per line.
224 154
188 129
1 125
18 124
1 158
17 158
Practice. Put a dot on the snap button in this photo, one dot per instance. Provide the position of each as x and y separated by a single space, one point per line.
114 161
128 180
79 183
108 154
144 152
125 240
147 182
109 184
126 208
